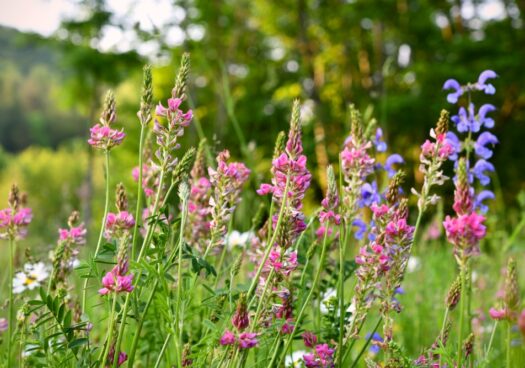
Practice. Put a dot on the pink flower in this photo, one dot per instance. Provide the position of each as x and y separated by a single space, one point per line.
103 137
247 340
427 148
309 339
465 230
288 327
497 314
116 281
379 210
13 223
75 235
228 338
118 224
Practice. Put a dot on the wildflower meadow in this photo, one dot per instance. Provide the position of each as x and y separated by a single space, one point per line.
205 259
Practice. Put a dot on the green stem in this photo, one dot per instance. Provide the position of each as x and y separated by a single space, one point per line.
269 246
341 292
461 314
101 233
138 210
443 326
305 303
363 349
136 338
145 245
490 342
12 247
509 342
109 336
162 351
179 315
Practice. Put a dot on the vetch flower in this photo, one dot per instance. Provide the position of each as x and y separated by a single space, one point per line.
309 339
228 338
30 278
117 281
248 340
370 194
102 136
497 314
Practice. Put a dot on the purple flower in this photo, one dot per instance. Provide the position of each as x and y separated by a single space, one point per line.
454 141
483 119
486 87
482 196
484 139
361 228
466 122
458 90
392 160
247 340
228 338
479 170
378 141
374 348
369 195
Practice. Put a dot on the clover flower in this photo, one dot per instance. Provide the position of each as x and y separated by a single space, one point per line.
30 278
102 135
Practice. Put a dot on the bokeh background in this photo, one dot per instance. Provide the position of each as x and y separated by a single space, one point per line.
250 59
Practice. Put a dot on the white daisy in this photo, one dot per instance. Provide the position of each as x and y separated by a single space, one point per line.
30 278
238 239
294 360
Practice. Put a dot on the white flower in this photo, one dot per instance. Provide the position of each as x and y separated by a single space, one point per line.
295 359
413 264
30 278
326 298
237 239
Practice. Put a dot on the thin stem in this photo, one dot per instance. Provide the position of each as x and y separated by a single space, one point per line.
340 291
361 352
136 338
145 245
443 326
461 315
138 210
179 315
509 344
162 351
109 336
12 247
309 296
101 233
269 246
490 341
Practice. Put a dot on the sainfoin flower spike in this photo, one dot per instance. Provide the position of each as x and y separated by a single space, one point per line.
15 219
102 135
